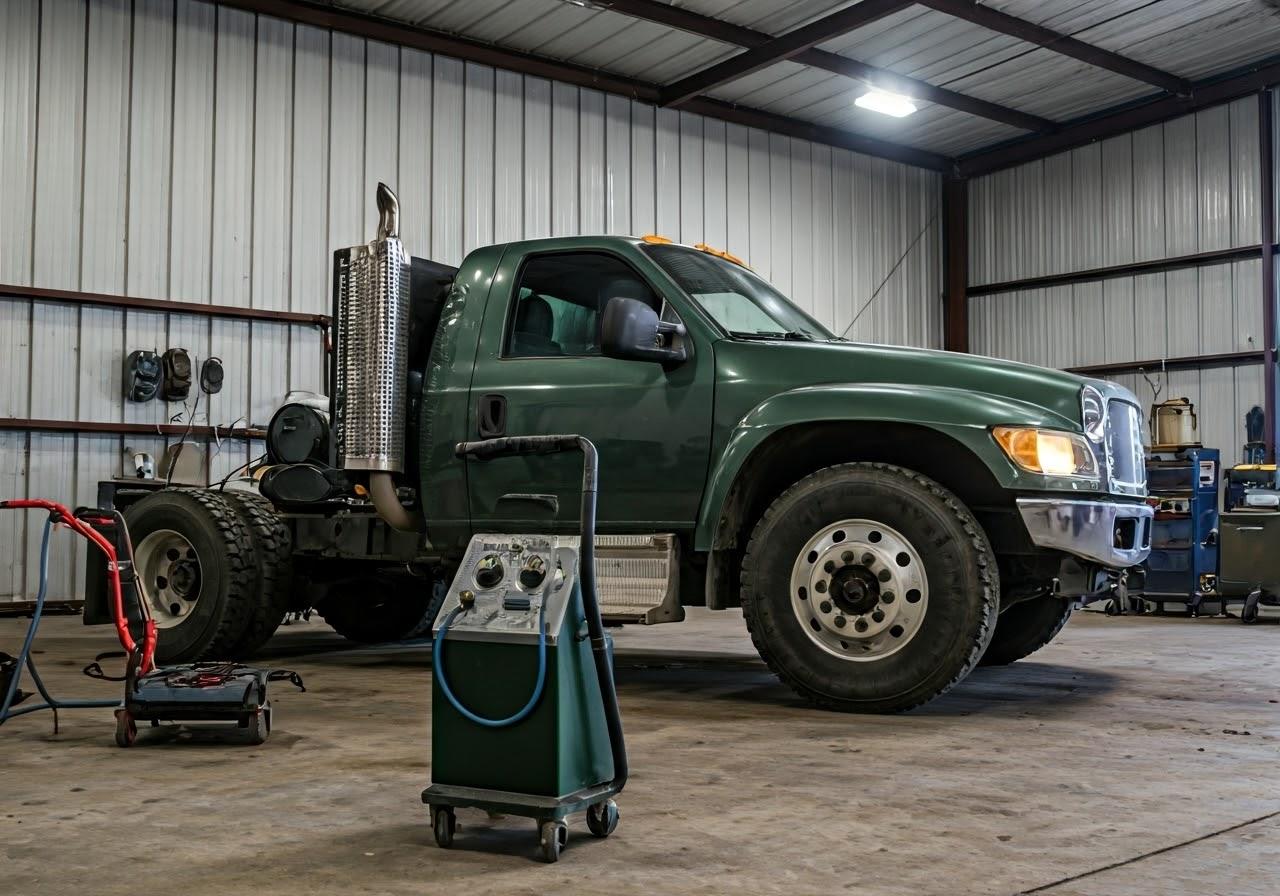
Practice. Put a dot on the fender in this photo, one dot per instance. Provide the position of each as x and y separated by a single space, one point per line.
961 414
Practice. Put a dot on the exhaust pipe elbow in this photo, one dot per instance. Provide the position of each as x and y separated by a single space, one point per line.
382 490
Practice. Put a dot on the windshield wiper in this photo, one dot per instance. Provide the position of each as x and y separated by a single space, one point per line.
800 335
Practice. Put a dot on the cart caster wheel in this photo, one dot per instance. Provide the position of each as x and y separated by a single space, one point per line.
602 818
553 835
443 822
126 728
259 727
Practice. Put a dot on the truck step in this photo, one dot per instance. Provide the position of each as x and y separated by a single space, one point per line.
638 577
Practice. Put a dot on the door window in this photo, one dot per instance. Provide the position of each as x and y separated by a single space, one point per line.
558 302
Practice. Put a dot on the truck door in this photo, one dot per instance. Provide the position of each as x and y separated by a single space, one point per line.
540 371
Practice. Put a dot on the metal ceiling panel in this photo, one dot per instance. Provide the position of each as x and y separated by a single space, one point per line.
928 45
565 31
1078 17
823 98
936 127
768 16
771 88
1044 83
429 13
1235 36
638 49
1188 38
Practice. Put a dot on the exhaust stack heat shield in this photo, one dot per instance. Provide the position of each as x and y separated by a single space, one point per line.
370 362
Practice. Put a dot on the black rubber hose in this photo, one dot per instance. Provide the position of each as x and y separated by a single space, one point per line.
591 608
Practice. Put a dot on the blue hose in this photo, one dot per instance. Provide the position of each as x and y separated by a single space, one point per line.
437 652
7 711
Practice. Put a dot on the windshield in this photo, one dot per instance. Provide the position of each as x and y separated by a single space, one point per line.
739 301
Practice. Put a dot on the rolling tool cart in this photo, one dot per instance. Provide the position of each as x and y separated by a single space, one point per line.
1183 565
524 713
225 692
129 625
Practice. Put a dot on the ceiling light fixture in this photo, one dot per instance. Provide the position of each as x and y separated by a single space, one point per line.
883 101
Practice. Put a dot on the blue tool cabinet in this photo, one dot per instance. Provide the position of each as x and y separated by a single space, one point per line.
1183 564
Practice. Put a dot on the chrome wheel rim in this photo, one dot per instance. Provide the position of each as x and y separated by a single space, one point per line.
169 569
859 590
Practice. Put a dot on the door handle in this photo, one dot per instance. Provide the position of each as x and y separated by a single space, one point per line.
491 416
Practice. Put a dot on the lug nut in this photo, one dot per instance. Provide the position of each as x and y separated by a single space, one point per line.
860 625
868 559
825 606
846 557
886 597
877 616
820 587
884 575
840 622
829 566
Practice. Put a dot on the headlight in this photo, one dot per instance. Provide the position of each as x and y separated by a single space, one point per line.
1093 410
1047 451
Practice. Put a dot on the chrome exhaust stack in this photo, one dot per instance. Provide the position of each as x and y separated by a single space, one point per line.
370 399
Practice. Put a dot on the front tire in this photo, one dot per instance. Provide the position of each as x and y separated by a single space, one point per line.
1024 628
198 568
869 588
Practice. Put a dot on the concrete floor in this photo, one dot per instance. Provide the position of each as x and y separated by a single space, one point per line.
1134 755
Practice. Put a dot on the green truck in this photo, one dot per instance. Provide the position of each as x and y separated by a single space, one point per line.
886 518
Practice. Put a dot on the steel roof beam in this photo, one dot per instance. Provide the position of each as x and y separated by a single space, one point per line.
779 49
727 32
838 137
1256 77
923 90
401 34
1055 42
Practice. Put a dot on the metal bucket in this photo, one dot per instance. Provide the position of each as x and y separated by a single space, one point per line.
1174 423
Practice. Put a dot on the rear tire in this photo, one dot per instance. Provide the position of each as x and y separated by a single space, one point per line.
273 545
386 609
869 588
1024 628
198 567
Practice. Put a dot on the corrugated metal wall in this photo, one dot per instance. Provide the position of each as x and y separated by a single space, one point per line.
1190 185
178 150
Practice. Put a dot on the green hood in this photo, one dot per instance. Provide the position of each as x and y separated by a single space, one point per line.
772 367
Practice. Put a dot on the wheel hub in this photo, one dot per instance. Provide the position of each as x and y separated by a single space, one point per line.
169 570
859 589
855 590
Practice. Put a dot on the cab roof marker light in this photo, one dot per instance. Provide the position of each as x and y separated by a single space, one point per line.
721 254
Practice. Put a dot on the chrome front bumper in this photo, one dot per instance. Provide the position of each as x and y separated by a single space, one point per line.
1116 536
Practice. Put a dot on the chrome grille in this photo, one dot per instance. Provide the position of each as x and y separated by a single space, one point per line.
1126 465
371 319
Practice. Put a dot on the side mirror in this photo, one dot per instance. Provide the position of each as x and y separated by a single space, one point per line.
632 331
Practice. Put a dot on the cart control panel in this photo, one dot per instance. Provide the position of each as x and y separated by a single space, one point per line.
507 584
